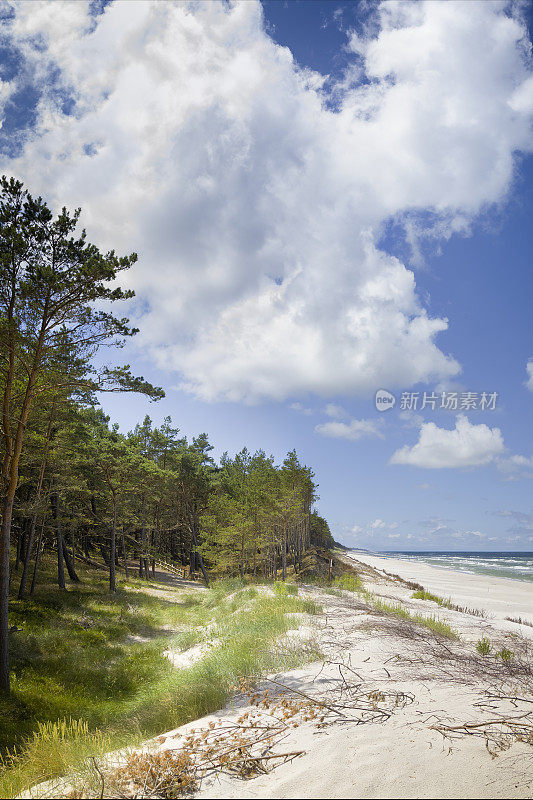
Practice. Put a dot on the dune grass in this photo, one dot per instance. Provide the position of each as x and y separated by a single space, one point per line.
433 623
89 672
349 582
422 594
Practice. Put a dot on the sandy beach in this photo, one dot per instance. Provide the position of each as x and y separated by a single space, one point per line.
392 708
405 756
498 597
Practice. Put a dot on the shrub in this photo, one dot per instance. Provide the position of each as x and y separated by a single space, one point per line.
504 654
484 646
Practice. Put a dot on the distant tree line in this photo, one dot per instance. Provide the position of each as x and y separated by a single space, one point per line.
72 484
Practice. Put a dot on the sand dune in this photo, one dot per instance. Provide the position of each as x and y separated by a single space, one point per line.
405 756
499 597
398 685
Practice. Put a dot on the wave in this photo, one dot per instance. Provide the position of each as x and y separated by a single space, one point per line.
518 566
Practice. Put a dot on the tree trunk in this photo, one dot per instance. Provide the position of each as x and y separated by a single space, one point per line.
70 565
198 555
10 470
26 568
284 554
154 548
18 550
60 567
37 558
124 554
112 555
7 513
73 541
142 565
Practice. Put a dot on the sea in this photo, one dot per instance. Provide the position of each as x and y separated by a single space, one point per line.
518 566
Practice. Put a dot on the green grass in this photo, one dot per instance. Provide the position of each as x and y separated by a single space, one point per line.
422 594
351 583
433 623
89 674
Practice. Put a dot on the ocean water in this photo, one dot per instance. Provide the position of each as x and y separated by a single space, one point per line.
502 564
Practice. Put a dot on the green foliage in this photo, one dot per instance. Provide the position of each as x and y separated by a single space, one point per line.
285 589
421 594
82 684
349 582
505 654
319 531
484 646
433 623
256 511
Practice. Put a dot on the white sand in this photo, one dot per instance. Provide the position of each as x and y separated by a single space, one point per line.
499 597
402 757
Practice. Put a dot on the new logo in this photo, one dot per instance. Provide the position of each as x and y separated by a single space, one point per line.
384 400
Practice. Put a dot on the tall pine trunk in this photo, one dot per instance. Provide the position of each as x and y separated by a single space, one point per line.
284 553
27 559
7 513
113 548
37 558
124 553
59 547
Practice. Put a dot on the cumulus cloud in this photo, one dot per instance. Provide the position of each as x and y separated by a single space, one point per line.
515 467
353 431
257 204
524 519
335 411
529 370
467 445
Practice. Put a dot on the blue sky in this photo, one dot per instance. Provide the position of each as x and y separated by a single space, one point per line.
327 199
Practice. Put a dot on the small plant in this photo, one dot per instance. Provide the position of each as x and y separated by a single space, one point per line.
421 594
505 654
438 626
351 583
484 646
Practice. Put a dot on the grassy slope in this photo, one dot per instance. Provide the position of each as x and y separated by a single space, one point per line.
97 659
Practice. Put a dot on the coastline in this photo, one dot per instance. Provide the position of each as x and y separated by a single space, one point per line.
498 597
370 658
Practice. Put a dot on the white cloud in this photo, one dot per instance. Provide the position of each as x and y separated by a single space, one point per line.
516 467
468 535
256 209
301 408
353 431
529 370
467 445
335 411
